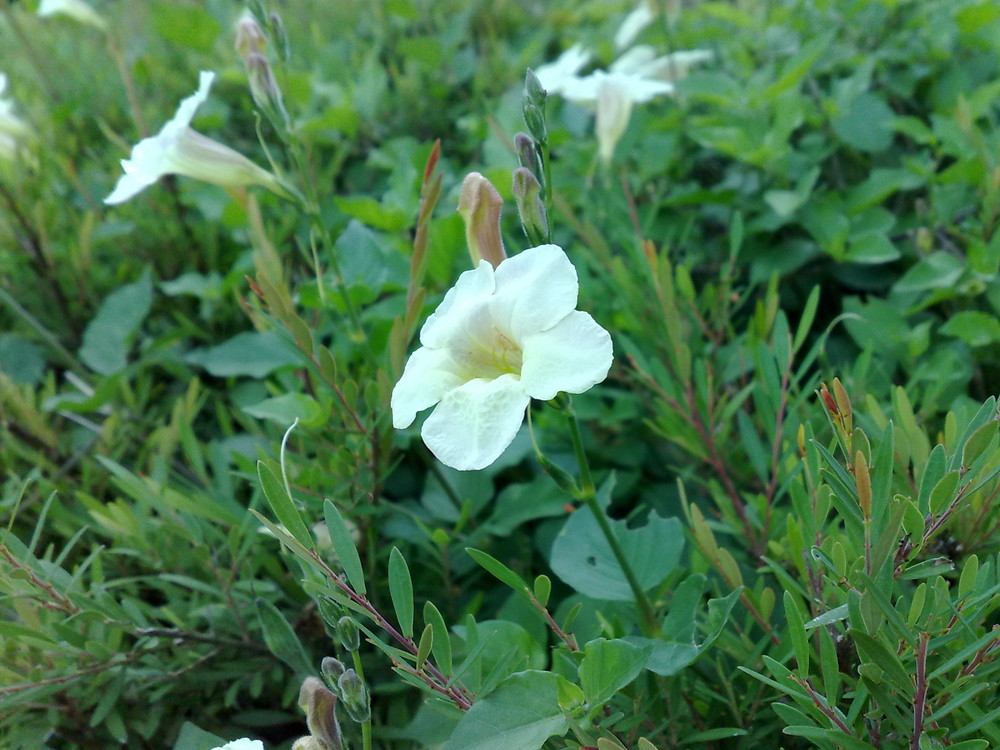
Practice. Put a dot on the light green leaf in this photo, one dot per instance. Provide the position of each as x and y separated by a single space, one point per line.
582 557
401 591
523 712
252 354
281 639
343 545
283 506
608 666
107 337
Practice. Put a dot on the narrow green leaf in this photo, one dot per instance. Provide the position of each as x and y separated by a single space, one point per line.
283 506
401 591
806 319
542 589
281 639
943 492
442 641
797 632
425 645
343 545
967 580
499 570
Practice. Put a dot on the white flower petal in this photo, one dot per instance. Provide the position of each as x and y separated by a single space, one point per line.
573 356
634 61
476 422
535 289
242 744
470 293
633 24
554 75
614 108
428 375
75 9
189 105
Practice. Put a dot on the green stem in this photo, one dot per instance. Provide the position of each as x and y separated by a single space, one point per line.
588 494
366 725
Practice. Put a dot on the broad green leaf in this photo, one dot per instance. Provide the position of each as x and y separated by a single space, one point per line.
252 354
866 123
192 737
608 666
20 359
343 545
975 328
283 410
582 557
523 712
107 337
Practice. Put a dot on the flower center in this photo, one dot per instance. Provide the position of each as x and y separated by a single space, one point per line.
491 353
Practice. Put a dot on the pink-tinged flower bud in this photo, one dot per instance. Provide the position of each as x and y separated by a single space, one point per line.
249 36
263 86
527 194
319 705
479 203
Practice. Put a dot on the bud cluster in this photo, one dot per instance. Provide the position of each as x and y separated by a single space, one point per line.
251 43
530 186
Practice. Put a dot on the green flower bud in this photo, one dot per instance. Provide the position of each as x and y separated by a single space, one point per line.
534 94
355 696
528 155
527 193
534 118
348 633
331 669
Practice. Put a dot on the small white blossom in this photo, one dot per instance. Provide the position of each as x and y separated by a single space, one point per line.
78 10
177 149
500 338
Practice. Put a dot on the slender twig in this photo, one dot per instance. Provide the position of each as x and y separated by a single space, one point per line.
920 698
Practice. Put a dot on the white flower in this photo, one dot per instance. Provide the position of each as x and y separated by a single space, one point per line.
177 149
242 744
612 95
75 9
554 75
500 338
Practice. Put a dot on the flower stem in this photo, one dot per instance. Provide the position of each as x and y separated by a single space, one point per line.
366 725
588 494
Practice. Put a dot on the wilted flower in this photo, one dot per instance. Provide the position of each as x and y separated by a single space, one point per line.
78 10
12 127
500 338
177 149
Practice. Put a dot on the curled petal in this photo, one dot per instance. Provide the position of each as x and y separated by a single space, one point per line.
572 356
429 374
476 422
535 289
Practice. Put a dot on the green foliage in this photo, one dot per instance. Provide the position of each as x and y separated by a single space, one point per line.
794 542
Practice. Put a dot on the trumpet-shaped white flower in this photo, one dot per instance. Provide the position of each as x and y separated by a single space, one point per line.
78 10
500 338
633 24
177 149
